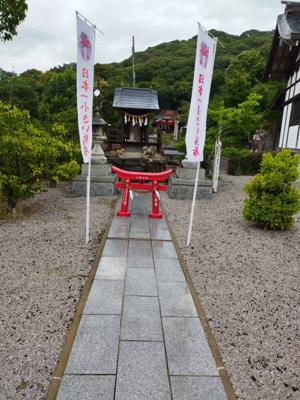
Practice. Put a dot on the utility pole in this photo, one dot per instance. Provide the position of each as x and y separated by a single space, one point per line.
133 67
11 84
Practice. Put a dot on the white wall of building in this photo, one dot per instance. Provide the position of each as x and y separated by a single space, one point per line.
290 134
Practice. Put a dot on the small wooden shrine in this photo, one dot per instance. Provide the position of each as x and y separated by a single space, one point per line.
135 104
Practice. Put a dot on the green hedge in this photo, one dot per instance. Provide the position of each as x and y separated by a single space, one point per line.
244 165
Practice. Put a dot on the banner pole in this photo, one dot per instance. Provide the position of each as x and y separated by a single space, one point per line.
197 174
88 187
193 205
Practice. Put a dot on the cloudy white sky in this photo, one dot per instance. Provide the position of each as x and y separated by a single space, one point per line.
47 36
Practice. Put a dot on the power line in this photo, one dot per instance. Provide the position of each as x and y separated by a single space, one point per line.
65 43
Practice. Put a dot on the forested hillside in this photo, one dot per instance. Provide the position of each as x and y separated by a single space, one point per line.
239 101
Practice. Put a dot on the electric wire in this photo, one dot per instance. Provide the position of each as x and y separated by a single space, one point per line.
68 44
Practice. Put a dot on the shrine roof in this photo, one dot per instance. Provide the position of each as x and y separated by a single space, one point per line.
136 98
285 46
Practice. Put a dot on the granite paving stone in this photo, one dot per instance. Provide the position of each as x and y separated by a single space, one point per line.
142 372
163 249
158 224
115 248
105 297
140 282
168 270
95 347
140 262
160 234
139 248
87 387
176 300
120 221
140 221
119 232
112 268
141 319
197 388
188 352
136 233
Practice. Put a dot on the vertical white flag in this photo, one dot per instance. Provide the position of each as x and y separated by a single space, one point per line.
196 127
85 84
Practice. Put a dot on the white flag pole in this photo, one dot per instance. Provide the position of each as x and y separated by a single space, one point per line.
88 188
193 205
198 170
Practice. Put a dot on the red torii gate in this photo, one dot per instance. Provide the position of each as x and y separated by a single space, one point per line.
144 181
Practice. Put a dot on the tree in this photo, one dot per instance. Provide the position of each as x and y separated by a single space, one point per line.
238 123
20 150
273 200
58 160
12 13
29 154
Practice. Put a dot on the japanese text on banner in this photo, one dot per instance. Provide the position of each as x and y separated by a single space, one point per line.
196 128
85 82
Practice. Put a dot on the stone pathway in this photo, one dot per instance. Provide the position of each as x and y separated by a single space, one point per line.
140 337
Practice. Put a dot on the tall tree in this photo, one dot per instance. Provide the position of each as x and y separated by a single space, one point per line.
12 13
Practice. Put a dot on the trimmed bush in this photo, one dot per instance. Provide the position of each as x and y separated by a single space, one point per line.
273 200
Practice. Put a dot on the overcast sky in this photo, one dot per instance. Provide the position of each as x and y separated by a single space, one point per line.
47 36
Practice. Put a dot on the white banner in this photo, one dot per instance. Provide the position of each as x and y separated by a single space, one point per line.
196 127
85 85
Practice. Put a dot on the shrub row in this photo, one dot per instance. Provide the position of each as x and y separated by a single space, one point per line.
244 164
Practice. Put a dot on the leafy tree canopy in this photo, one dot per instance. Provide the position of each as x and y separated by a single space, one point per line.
12 13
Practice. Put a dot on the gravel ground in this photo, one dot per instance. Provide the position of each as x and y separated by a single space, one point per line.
247 280
44 264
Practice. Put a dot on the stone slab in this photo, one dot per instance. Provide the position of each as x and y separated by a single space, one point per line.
120 221
139 248
97 179
115 248
139 234
190 182
105 187
163 249
189 164
96 169
184 189
188 352
176 300
105 297
95 353
140 220
190 173
168 270
86 387
140 282
140 262
158 224
141 319
142 372
197 388
160 234
121 232
111 268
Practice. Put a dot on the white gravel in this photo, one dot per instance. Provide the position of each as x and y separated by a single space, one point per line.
44 263
247 280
